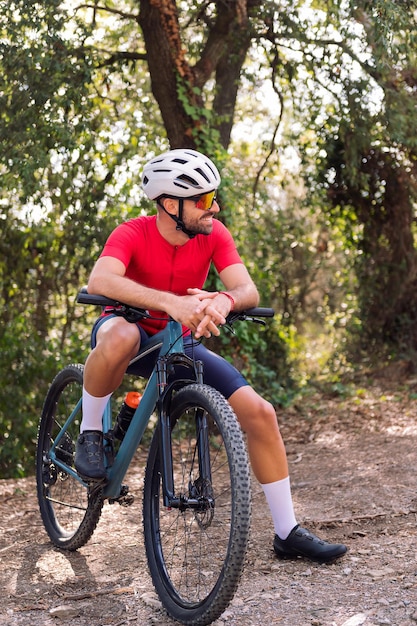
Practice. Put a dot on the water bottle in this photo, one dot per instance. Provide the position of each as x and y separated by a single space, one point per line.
127 410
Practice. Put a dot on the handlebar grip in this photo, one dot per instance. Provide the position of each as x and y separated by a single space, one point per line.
254 314
131 313
259 312
83 297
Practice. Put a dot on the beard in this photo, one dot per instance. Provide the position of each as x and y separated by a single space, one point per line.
200 226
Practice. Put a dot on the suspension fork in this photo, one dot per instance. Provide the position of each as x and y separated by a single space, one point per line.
203 444
203 438
170 499
165 440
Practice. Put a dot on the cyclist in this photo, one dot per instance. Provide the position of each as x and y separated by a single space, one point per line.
160 263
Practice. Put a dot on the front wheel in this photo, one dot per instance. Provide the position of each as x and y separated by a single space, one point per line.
196 555
69 511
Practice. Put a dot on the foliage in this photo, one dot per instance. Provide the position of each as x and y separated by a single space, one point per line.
368 170
39 110
28 364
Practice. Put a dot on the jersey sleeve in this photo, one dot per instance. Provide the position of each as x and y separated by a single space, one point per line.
225 252
121 243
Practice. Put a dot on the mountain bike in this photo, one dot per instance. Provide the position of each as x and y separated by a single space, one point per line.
196 497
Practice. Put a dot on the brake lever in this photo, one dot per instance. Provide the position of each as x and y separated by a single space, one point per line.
257 320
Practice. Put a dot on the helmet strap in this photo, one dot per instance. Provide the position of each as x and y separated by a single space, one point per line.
178 218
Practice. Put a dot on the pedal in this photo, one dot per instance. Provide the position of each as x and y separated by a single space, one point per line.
125 498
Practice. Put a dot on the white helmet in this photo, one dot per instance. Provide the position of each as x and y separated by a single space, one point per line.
179 174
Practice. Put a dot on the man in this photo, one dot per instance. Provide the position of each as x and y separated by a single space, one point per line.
160 263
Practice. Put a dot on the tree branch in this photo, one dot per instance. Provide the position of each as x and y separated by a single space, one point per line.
277 125
122 56
101 7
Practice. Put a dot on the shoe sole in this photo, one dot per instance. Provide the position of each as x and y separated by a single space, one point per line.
287 556
90 479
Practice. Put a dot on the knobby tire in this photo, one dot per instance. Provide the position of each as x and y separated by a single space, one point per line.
196 558
69 512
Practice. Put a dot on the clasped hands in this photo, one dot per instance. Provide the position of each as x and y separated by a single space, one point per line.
202 312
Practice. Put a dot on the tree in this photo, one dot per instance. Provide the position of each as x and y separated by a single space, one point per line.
369 172
178 86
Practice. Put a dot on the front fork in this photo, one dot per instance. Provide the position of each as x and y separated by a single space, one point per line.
196 497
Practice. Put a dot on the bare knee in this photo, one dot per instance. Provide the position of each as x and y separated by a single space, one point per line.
118 339
264 419
255 414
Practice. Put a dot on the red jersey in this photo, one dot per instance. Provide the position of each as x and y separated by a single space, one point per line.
153 262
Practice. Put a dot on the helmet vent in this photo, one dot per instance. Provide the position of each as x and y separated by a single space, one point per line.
177 184
202 173
188 180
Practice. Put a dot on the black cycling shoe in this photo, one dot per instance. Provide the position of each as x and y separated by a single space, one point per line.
89 457
301 542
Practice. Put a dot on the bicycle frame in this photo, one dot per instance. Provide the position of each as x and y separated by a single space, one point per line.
169 342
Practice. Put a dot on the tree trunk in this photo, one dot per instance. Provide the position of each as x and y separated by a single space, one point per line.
167 65
177 86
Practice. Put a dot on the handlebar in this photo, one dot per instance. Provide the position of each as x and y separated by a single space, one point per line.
84 297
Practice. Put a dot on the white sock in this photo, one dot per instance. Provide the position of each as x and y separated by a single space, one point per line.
93 409
278 496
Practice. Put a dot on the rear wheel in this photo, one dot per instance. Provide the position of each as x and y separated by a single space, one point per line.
196 555
69 511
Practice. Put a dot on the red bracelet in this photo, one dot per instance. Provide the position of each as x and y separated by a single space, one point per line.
231 298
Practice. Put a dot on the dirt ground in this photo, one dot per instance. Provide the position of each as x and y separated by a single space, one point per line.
353 463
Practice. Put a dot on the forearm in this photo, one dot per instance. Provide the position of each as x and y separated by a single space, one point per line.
244 297
238 283
128 291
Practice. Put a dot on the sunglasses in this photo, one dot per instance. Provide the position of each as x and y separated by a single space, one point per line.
205 201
